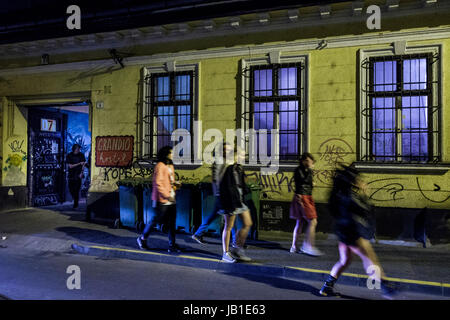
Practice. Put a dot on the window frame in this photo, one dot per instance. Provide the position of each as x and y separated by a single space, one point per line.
149 120
365 155
248 99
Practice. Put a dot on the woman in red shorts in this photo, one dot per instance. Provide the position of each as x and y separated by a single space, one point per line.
303 207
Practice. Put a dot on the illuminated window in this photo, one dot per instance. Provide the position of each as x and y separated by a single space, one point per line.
275 99
401 109
169 104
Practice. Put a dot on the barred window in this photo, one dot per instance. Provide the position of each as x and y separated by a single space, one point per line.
275 100
169 104
402 109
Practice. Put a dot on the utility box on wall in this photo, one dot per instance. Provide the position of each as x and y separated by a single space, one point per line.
274 216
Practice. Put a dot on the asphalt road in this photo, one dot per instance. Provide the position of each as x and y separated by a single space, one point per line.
43 275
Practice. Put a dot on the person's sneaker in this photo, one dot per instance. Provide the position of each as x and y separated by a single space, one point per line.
388 290
174 249
314 252
227 257
234 245
328 291
239 253
198 239
294 250
142 244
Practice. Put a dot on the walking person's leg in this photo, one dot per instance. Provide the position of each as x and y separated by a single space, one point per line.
229 222
198 235
296 234
310 234
310 216
142 239
365 251
171 214
242 236
345 258
370 260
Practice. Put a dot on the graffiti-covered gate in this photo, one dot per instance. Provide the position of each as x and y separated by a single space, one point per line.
46 150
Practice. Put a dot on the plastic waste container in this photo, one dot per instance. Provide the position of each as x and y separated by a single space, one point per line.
185 206
252 200
128 204
207 201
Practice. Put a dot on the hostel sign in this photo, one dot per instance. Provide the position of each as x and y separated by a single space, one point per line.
114 151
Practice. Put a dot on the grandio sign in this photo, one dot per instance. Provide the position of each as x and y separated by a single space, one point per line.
114 151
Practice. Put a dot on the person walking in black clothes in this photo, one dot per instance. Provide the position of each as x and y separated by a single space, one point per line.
76 162
232 191
218 169
350 207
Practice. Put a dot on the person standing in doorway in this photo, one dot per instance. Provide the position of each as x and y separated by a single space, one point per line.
232 191
303 207
218 170
76 162
163 197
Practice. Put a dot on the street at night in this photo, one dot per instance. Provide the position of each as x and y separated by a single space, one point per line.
225 158
42 275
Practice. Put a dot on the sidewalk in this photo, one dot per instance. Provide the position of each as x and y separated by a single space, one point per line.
413 268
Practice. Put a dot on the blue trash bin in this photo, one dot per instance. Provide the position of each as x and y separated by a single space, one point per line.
184 205
128 200
208 201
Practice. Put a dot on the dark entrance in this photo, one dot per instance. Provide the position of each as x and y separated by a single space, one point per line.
46 149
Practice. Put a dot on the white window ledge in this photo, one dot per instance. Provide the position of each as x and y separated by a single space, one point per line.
403 168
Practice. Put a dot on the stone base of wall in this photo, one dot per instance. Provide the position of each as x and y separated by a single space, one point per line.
13 197
421 225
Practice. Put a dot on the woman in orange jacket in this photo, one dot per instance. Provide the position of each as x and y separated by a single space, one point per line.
163 197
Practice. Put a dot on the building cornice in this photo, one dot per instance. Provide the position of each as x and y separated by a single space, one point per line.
342 13
381 38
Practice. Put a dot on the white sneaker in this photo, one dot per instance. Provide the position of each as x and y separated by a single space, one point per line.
311 251
227 257
294 250
240 254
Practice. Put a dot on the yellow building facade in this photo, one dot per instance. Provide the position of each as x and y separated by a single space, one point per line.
333 51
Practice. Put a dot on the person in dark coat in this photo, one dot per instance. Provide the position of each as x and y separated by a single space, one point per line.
76 162
349 206
218 170
232 191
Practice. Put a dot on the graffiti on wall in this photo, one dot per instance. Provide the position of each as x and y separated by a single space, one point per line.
14 164
332 152
140 169
273 185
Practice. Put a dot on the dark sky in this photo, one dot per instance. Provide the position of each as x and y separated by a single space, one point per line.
25 20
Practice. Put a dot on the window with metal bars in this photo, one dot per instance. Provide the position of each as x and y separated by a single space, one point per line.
169 105
401 114
275 98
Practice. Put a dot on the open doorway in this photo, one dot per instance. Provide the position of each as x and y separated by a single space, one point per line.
52 132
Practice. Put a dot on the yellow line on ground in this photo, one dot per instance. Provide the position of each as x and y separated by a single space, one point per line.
152 253
354 275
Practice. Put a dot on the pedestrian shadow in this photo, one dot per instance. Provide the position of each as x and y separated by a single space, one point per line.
286 284
157 241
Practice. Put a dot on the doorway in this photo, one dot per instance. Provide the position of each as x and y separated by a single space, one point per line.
52 131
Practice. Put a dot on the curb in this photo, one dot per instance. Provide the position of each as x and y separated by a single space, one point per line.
426 287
